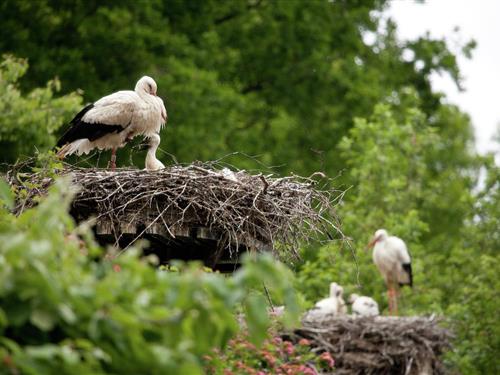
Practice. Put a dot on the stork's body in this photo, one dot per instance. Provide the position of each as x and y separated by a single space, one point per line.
113 120
392 259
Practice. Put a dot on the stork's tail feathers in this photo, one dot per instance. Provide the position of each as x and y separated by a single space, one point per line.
80 146
408 271
63 151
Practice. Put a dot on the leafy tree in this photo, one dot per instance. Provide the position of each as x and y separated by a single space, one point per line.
28 122
473 304
278 79
408 178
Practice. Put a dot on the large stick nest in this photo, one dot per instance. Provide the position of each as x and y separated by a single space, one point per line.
239 207
380 345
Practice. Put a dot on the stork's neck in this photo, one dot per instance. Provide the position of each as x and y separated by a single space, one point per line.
143 94
151 155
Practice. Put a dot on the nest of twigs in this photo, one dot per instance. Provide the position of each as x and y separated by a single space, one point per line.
239 207
381 345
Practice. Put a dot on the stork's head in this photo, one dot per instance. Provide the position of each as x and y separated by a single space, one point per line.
380 235
353 297
336 290
146 85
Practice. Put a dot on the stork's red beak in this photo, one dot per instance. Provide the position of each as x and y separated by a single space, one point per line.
371 243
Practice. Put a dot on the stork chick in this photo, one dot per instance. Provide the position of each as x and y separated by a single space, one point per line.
363 306
334 304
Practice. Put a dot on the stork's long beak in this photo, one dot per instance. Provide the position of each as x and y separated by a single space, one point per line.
371 243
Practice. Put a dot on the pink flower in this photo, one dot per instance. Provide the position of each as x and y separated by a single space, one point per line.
327 358
289 348
269 359
309 371
304 342
277 340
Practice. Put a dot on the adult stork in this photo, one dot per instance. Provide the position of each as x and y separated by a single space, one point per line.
115 119
392 259
152 163
363 306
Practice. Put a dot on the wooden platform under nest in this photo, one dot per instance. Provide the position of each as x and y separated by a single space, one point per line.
380 345
194 211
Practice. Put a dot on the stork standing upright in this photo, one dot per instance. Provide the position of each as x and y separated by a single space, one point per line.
115 119
392 259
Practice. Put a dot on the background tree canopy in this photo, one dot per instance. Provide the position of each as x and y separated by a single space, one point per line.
305 86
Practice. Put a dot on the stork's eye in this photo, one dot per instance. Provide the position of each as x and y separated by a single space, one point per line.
150 87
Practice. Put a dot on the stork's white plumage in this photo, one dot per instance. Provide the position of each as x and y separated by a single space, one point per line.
113 120
392 258
334 304
363 306
152 163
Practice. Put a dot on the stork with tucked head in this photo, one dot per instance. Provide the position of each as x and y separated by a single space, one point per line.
363 306
152 163
115 119
392 259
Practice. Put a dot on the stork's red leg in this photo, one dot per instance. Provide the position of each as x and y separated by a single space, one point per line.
112 162
389 299
392 299
395 304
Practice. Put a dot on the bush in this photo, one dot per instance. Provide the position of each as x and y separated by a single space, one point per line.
276 356
28 122
62 311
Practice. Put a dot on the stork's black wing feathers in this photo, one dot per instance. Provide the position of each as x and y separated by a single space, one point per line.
81 130
407 269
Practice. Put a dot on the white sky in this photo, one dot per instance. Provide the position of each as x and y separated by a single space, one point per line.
479 20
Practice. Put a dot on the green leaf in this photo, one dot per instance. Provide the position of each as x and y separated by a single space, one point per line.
42 319
257 318
6 196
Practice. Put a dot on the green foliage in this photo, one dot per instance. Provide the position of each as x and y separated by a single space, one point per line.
306 86
408 177
62 311
278 79
474 302
28 122
387 169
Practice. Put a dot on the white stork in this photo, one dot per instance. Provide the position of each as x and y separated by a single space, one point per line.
152 163
392 259
114 120
363 306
